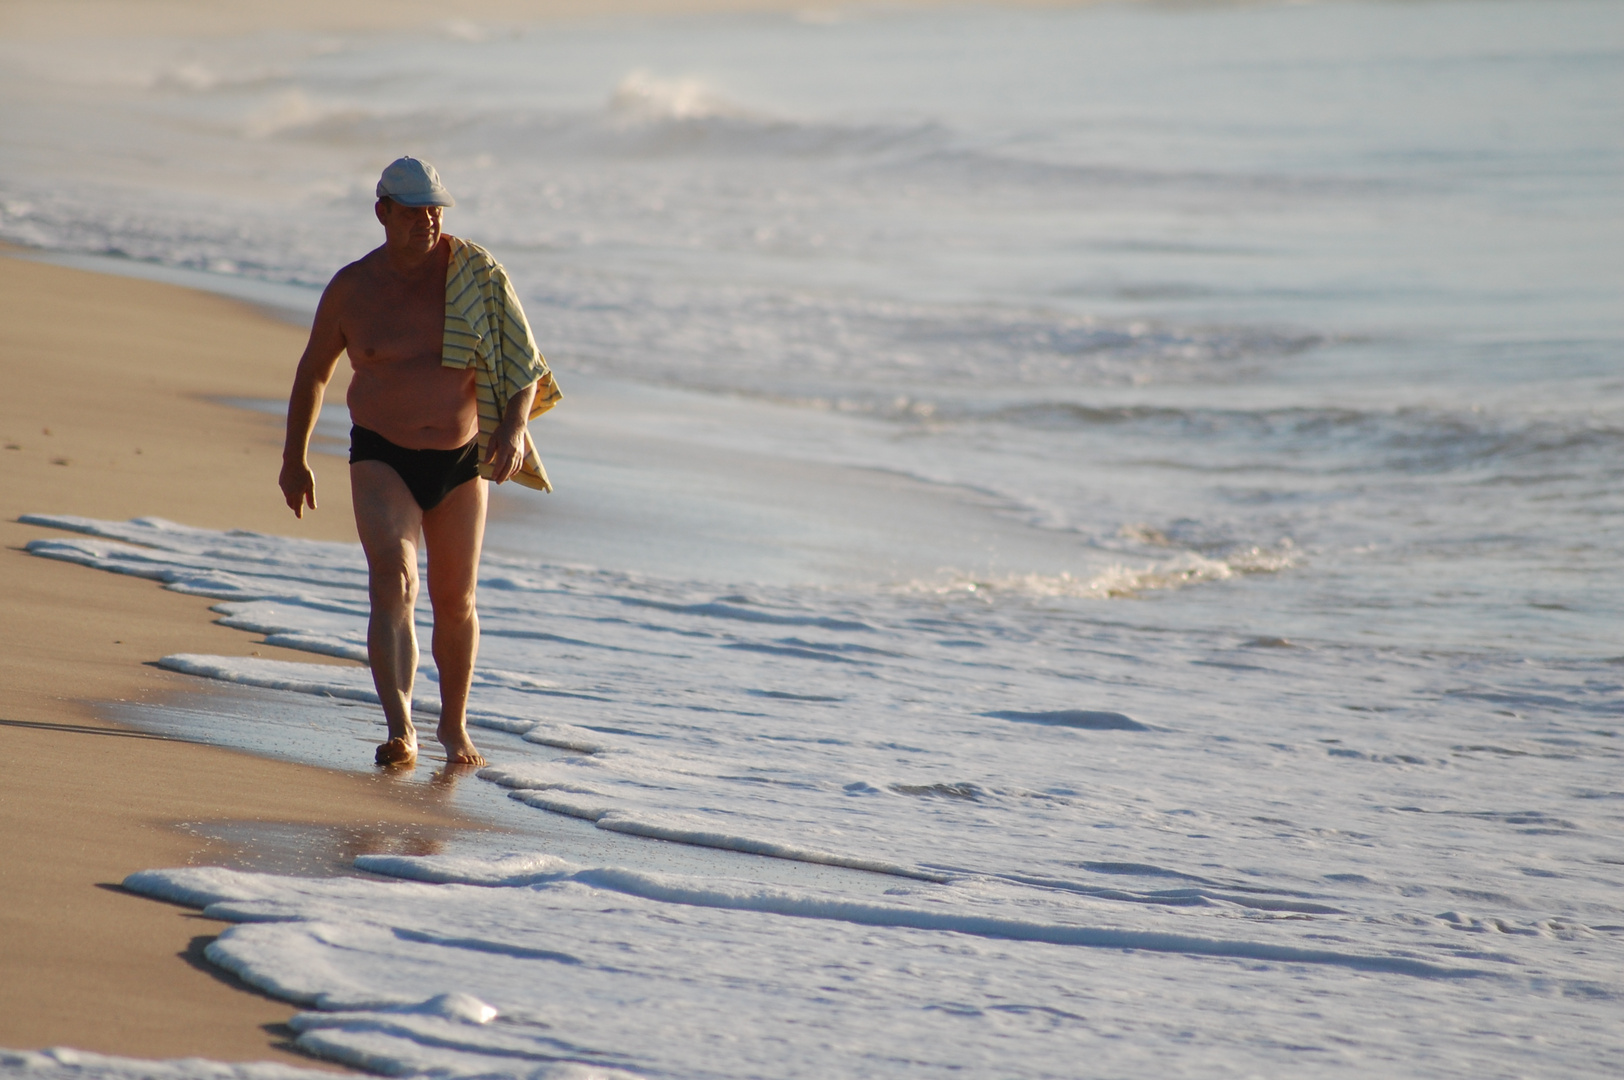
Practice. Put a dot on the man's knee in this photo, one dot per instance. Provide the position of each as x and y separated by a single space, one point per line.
452 583
392 582
452 604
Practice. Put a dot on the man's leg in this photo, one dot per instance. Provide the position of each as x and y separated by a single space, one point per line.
389 521
455 531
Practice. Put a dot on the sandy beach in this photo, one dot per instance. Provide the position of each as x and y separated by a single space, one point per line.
108 412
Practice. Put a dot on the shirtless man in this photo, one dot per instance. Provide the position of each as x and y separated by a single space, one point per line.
414 460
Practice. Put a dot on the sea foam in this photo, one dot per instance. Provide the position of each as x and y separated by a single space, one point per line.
980 839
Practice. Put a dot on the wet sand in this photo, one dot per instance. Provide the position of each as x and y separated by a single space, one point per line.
107 412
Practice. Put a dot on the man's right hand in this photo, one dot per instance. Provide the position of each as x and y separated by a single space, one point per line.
298 486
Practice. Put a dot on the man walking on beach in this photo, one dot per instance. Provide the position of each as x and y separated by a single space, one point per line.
446 378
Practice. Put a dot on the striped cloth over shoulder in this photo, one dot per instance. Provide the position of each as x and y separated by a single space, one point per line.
485 328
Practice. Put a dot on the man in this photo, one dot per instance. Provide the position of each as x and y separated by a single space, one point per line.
446 379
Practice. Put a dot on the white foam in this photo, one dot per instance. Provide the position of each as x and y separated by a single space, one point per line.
564 737
63 1063
324 680
1116 581
534 963
690 831
513 869
643 96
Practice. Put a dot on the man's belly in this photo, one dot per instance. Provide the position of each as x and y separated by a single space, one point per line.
420 405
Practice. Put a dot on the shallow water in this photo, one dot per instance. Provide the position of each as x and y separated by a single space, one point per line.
1081 535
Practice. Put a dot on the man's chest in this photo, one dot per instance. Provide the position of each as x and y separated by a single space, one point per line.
396 324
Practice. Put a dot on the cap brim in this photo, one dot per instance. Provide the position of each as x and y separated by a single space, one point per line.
421 200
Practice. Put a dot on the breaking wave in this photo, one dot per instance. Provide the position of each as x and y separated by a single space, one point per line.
1118 581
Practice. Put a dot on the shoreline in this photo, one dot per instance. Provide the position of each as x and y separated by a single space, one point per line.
113 410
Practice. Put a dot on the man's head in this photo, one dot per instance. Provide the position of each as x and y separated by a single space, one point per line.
410 202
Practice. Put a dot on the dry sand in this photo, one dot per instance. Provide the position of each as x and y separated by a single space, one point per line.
106 412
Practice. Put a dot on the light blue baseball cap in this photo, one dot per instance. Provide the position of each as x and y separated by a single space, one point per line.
411 182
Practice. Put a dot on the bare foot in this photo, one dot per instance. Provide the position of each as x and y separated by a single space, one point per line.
459 748
397 751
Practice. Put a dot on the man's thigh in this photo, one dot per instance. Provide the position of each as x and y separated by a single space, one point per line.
455 532
387 518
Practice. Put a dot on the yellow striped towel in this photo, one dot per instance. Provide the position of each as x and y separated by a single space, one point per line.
485 326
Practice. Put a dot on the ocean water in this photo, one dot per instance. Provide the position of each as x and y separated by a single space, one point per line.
1084 543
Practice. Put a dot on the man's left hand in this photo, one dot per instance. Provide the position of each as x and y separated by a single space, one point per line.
505 454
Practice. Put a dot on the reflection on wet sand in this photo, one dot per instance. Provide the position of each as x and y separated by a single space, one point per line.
306 850
303 850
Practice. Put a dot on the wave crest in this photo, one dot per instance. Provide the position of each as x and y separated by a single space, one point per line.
642 96
1120 581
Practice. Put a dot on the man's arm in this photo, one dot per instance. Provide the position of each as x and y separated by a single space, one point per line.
506 452
316 366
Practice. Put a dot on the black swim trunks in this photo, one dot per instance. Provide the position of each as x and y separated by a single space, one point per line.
430 475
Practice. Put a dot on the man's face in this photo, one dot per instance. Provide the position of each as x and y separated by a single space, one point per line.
410 228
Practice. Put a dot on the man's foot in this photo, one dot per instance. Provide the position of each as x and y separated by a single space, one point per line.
397 751
459 748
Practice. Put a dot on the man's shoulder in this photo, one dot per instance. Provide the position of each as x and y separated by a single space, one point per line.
342 291
356 273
